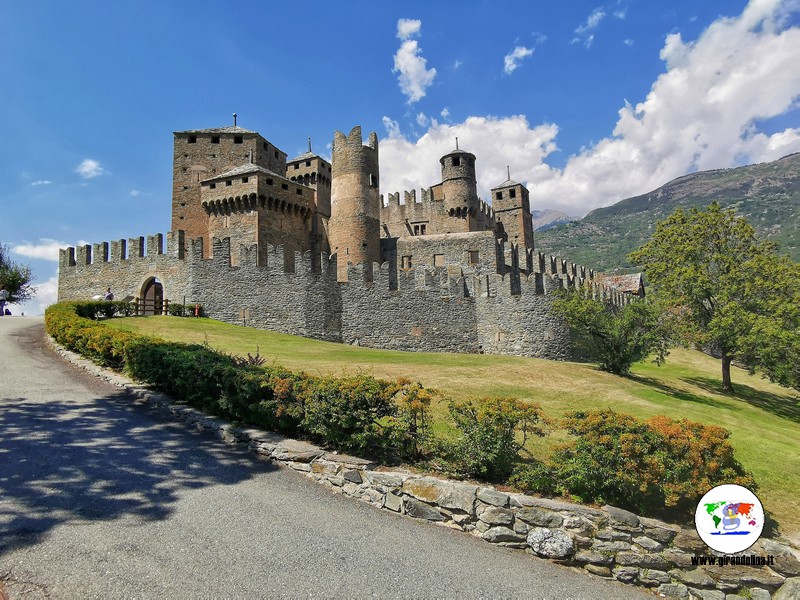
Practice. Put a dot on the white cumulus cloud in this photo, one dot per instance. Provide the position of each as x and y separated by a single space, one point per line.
497 142
414 76
408 27
702 113
89 169
513 58
46 249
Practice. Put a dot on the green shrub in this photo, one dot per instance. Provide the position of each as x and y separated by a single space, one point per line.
493 430
347 412
535 477
647 466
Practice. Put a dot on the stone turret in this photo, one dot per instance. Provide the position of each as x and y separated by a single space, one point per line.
512 208
355 202
460 188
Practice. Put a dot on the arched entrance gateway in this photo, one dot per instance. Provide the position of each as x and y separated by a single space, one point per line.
152 297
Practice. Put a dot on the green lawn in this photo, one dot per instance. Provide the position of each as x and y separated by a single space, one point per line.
764 419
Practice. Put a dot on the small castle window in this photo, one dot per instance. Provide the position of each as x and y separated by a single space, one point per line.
215 139
438 260
284 186
512 193
422 228
296 166
266 147
406 264
238 139
226 221
229 182
299 192
308 163
456 161
416 229
192 139
245 179
270 182
499 196
373 181
276 154
212 186
473 257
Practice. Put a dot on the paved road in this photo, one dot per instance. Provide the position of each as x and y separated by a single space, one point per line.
100 498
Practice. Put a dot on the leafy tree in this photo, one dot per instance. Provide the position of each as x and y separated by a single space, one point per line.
727 291
15 278
614 336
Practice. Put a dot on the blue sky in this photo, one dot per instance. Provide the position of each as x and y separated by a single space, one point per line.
586 102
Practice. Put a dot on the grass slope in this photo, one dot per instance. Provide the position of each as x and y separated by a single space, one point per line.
764 419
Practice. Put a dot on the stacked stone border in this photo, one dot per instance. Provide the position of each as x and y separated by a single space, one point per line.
607 542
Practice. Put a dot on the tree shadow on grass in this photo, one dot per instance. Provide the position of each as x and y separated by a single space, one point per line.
677 393
78 462
785 407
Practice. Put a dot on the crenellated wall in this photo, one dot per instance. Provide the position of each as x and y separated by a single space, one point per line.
125 266
441 304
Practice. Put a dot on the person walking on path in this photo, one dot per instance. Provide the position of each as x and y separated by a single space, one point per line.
3 300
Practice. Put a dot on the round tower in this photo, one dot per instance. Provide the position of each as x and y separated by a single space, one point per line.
354 226
459 184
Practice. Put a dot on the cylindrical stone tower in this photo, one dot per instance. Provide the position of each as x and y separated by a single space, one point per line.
354 226
460 185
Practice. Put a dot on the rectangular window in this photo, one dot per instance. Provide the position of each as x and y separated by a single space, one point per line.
438 260
373 181
215 139
473 257
270 182
284 186
406 264
499 196
238 139
512 193
456 161
299 192
416 229
229 182
265 146
226 221
296 166
276 154
308 163
192 139
422 229
245 179
212 186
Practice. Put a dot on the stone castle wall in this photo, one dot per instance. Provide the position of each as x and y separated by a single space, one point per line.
449 308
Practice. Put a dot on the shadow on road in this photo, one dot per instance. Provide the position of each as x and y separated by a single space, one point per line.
64 461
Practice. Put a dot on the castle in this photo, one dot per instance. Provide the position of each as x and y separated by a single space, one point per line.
311 248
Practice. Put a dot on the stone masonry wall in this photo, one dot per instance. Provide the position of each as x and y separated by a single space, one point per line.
429 311
305 302
606 542
125 266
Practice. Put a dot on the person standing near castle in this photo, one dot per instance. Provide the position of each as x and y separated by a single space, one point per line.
3 300
109 295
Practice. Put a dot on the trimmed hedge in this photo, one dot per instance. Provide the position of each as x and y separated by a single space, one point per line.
349 413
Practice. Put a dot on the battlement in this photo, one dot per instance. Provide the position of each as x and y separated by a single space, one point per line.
123 250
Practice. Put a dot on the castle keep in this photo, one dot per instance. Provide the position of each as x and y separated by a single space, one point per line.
311 248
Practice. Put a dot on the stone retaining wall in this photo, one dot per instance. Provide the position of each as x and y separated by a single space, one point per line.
607 542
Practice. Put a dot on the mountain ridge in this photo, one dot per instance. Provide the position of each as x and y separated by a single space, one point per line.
766 194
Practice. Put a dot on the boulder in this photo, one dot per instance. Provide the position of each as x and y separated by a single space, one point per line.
550 543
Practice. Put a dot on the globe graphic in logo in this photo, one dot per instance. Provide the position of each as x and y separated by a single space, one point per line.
729 518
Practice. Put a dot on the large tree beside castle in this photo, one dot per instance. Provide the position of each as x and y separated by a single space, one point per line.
14 277
727 291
